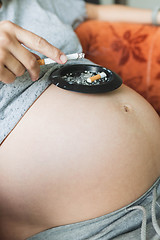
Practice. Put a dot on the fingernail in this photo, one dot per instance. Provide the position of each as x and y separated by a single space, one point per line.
63 58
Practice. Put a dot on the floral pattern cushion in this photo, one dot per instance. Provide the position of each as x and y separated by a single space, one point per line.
131 50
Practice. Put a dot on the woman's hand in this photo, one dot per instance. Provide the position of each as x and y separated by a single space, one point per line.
15 58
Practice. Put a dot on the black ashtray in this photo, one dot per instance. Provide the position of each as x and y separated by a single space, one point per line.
74 78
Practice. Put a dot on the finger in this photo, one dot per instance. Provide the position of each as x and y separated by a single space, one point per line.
36 56
27 59
14 65
6 76
39 44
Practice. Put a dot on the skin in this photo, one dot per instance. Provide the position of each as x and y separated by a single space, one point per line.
120 13
74 157
15 59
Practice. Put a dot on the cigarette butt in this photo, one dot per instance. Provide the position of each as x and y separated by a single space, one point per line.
69 57
96 77
41 61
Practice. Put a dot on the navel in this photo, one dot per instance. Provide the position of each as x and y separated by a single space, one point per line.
127 108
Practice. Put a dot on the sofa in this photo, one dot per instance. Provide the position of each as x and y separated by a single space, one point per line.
130 50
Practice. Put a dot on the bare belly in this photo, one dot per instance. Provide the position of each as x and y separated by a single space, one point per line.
74 157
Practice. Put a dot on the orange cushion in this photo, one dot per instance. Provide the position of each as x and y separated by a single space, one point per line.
131 50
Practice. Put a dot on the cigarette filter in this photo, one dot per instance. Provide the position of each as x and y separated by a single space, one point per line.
96 77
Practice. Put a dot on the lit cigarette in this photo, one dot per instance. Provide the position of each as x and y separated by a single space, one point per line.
96 77
69 57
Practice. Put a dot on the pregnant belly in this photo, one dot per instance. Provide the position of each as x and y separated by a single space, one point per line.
77 156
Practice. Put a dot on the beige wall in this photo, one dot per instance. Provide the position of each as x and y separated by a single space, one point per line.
138 3
106 1
144 3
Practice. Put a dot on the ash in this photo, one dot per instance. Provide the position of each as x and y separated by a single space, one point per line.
81 78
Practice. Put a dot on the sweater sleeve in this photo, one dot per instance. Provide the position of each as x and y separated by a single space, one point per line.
72 12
